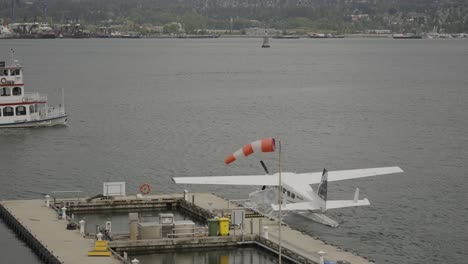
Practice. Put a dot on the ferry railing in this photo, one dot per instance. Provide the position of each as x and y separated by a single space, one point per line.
56 111
30 97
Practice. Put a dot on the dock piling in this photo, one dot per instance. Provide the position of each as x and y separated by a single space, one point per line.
133 222
47 197
265 232
64 213
321 253
82 227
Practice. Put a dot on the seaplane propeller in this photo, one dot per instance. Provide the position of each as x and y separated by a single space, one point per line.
266 170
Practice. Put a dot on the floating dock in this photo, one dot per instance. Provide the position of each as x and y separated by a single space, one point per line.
44 230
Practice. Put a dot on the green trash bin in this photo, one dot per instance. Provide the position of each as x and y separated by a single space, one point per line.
213 227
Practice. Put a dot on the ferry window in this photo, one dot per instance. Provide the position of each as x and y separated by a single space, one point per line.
5 72
17 91
5 91
20 110
15 72
8 111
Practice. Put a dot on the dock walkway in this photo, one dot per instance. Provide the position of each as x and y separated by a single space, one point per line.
46 233
44 224
293 240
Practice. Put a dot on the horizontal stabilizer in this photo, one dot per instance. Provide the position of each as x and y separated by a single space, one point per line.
346 203
296 207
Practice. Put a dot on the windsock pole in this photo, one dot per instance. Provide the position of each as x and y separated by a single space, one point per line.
280 199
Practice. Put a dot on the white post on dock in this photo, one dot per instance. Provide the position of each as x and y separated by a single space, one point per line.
125 255
82 227
135 261
99 236
265 232
186 195
47 201
210 207
64 213
321 253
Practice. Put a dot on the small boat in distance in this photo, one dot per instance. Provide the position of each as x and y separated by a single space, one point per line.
286 37
20 109
406 36
266 42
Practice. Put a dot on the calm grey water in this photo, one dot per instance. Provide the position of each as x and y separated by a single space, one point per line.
219 256
146 110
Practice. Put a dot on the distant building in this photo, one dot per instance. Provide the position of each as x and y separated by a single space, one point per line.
356 18
378 31
261 31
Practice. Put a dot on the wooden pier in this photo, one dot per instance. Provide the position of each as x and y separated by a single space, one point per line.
42 228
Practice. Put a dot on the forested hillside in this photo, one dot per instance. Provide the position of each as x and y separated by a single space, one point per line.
332 15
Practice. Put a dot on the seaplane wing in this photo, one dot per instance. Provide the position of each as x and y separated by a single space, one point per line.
315 177
266 180
287 177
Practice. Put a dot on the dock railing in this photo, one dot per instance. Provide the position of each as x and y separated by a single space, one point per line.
197 231
61 195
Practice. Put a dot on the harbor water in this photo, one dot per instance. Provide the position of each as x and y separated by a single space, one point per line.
146 110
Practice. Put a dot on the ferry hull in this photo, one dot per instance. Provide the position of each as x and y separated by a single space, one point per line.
60 120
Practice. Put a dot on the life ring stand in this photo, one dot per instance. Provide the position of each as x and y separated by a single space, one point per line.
145 188
3 80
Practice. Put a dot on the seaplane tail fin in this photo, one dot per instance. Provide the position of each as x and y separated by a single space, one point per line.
323 188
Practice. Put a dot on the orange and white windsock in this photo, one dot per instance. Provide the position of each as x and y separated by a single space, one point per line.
262 145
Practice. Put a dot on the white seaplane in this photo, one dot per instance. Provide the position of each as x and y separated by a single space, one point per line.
298 195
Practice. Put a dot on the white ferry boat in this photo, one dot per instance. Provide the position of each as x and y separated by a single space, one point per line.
20 109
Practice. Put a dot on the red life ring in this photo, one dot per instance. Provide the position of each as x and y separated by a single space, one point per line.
4 80
145 188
